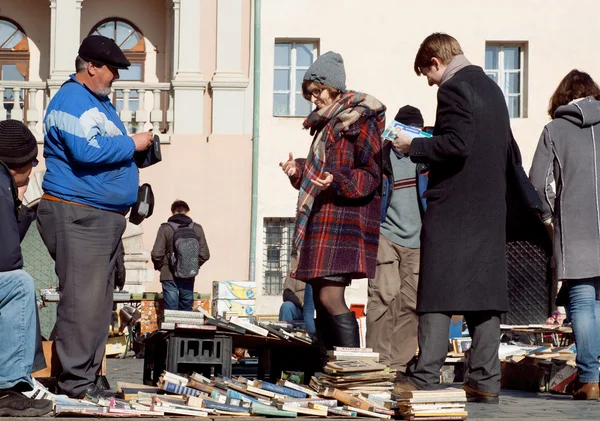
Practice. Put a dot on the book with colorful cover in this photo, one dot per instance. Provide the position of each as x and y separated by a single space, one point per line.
391 131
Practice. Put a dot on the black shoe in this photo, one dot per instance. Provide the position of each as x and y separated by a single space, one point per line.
15 404
345 327
93 392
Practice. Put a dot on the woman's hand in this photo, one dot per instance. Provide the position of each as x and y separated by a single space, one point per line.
323 183
289 166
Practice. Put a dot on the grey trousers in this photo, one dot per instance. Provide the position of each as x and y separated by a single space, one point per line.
83 243
484 365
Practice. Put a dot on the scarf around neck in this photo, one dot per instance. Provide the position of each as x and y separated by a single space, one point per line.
326 125
456 64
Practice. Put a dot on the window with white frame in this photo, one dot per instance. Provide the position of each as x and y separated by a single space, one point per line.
504 63
292 59
278 234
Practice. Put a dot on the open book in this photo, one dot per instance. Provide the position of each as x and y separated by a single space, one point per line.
395 127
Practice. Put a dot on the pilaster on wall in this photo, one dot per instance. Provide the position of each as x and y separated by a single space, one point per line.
188 82
229 84
65 24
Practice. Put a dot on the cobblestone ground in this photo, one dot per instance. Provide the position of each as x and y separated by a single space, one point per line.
514 405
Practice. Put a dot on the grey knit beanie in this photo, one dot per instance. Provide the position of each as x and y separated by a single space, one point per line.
328 69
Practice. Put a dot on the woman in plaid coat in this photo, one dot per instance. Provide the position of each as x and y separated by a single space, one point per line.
339 203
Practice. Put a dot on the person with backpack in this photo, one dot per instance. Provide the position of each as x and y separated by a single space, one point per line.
179 251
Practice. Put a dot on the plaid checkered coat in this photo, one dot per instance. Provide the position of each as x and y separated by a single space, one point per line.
342 233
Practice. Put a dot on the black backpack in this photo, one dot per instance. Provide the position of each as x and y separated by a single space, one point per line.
184 261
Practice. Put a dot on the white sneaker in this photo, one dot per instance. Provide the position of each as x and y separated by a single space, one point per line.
40 392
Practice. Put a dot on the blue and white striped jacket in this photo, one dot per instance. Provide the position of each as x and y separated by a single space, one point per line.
89 157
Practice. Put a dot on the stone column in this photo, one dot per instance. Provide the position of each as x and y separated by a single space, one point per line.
65 27
229 83
188 82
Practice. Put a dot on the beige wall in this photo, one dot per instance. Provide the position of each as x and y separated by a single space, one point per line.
379 41
214 179
211 172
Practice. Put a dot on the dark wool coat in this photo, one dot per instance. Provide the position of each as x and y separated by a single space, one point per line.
463 257
342 234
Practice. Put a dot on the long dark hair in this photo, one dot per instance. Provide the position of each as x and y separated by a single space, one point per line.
575 84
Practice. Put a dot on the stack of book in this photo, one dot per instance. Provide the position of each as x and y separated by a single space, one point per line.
185 320
422 405
355 370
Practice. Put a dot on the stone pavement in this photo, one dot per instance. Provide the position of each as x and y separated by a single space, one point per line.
514 405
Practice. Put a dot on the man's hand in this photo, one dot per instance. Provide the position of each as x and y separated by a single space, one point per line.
402 142
324 182
142 140
289 166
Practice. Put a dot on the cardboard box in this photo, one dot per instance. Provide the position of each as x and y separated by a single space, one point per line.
116 345
232 290
239 307
53 367
562 378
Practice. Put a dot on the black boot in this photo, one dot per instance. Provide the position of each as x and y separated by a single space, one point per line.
346 330
324 336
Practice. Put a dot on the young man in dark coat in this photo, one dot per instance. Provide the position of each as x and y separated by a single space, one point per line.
463 258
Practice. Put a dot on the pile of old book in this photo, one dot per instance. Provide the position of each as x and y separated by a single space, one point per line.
354 370
201 320
197 396
422 405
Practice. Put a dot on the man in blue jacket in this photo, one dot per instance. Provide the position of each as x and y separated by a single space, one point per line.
18 330
90 183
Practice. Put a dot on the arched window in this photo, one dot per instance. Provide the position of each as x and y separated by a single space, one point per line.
131 40
14 59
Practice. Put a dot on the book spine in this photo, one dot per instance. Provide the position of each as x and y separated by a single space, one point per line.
348 349
283 390
291 385
222 407
179 390
350 400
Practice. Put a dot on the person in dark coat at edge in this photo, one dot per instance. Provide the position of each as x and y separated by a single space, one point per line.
471 156
19 323
339 203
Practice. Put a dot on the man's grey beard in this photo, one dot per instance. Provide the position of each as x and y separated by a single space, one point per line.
103 91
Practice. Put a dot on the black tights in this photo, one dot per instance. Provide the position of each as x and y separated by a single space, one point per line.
329 298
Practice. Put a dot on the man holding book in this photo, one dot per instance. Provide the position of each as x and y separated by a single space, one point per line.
463 257
391 309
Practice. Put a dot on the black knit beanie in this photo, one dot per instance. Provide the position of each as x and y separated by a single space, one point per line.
18 146
410 116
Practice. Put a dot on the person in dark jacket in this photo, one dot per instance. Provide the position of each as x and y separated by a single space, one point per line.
567 156
178 294
463 257
391 308
339 203
18 312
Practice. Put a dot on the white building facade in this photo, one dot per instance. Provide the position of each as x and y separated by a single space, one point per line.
526 46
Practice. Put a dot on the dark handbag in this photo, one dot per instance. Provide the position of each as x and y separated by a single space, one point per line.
150 156
144 206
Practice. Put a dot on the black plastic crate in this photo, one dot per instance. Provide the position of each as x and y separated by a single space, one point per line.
185 352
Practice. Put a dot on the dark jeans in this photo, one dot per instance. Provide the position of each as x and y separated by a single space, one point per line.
178 294
83 243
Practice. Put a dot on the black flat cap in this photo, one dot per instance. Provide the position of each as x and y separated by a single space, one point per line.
103 50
